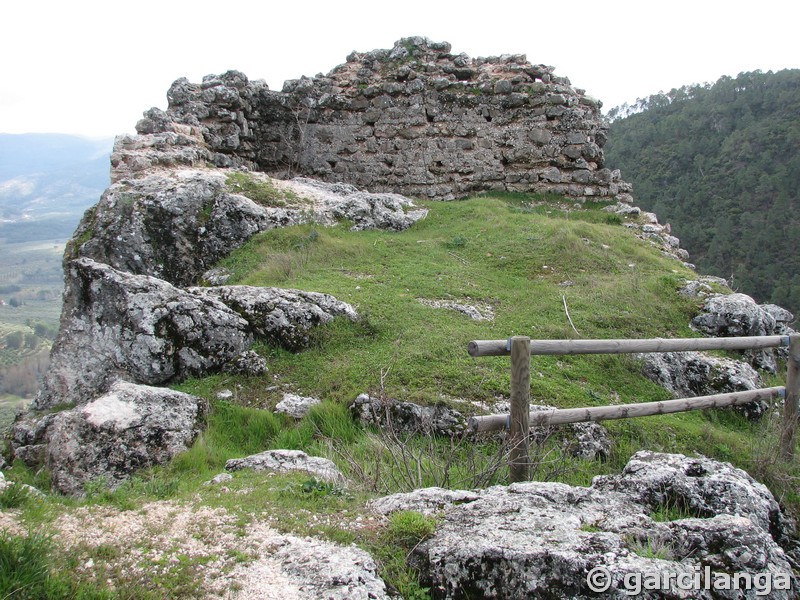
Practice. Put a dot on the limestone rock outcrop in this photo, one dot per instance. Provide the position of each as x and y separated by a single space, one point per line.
288 461
136 327
733 315
283 317
128 428
176 223
699 486
319 568
145 330
688 374
414 119
541 540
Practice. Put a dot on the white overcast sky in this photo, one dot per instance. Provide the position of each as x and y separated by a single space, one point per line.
89 67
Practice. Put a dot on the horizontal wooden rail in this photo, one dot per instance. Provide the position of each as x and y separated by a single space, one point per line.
560 416
502 348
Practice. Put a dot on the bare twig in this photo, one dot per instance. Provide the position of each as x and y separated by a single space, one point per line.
566 310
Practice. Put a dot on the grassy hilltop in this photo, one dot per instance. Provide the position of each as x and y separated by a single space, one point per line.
523 257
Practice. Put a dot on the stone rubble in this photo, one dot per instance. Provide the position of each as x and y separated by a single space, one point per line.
407 417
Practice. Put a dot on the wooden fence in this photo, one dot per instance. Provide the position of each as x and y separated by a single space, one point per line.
521 348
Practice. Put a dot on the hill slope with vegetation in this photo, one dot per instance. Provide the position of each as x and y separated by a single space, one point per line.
721 163
47 181
520 258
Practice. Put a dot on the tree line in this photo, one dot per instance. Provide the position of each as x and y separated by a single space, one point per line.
721 163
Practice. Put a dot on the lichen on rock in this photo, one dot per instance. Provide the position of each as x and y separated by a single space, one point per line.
128 428
541 539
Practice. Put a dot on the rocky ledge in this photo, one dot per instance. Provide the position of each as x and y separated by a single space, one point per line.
664 514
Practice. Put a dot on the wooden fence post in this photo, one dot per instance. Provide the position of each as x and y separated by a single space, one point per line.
519 460
790 416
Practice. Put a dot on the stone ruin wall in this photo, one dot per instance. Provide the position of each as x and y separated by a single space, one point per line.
415 120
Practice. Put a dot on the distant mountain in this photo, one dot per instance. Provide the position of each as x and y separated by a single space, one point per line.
47 181
721 162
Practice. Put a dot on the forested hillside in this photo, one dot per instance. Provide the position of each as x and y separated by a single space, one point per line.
721 163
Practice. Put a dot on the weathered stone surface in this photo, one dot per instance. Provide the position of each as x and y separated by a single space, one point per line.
414 119
429 501
590 441
146 330
540 540
733 315
247 363
296 406
688 374
338 201
408 417
783 318
219 478
173 224
286 461
477 313
331 571
176 223
701 287
135 327
701 486
282 316
129 428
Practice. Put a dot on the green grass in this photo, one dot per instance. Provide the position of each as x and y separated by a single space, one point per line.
261 190
476 250
25 572
525 256
9 405
652 547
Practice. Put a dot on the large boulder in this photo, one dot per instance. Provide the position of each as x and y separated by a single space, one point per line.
699 486
140 328
738 315
173 224
689 374
143 329
733 315
128 428
544 540
282 316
